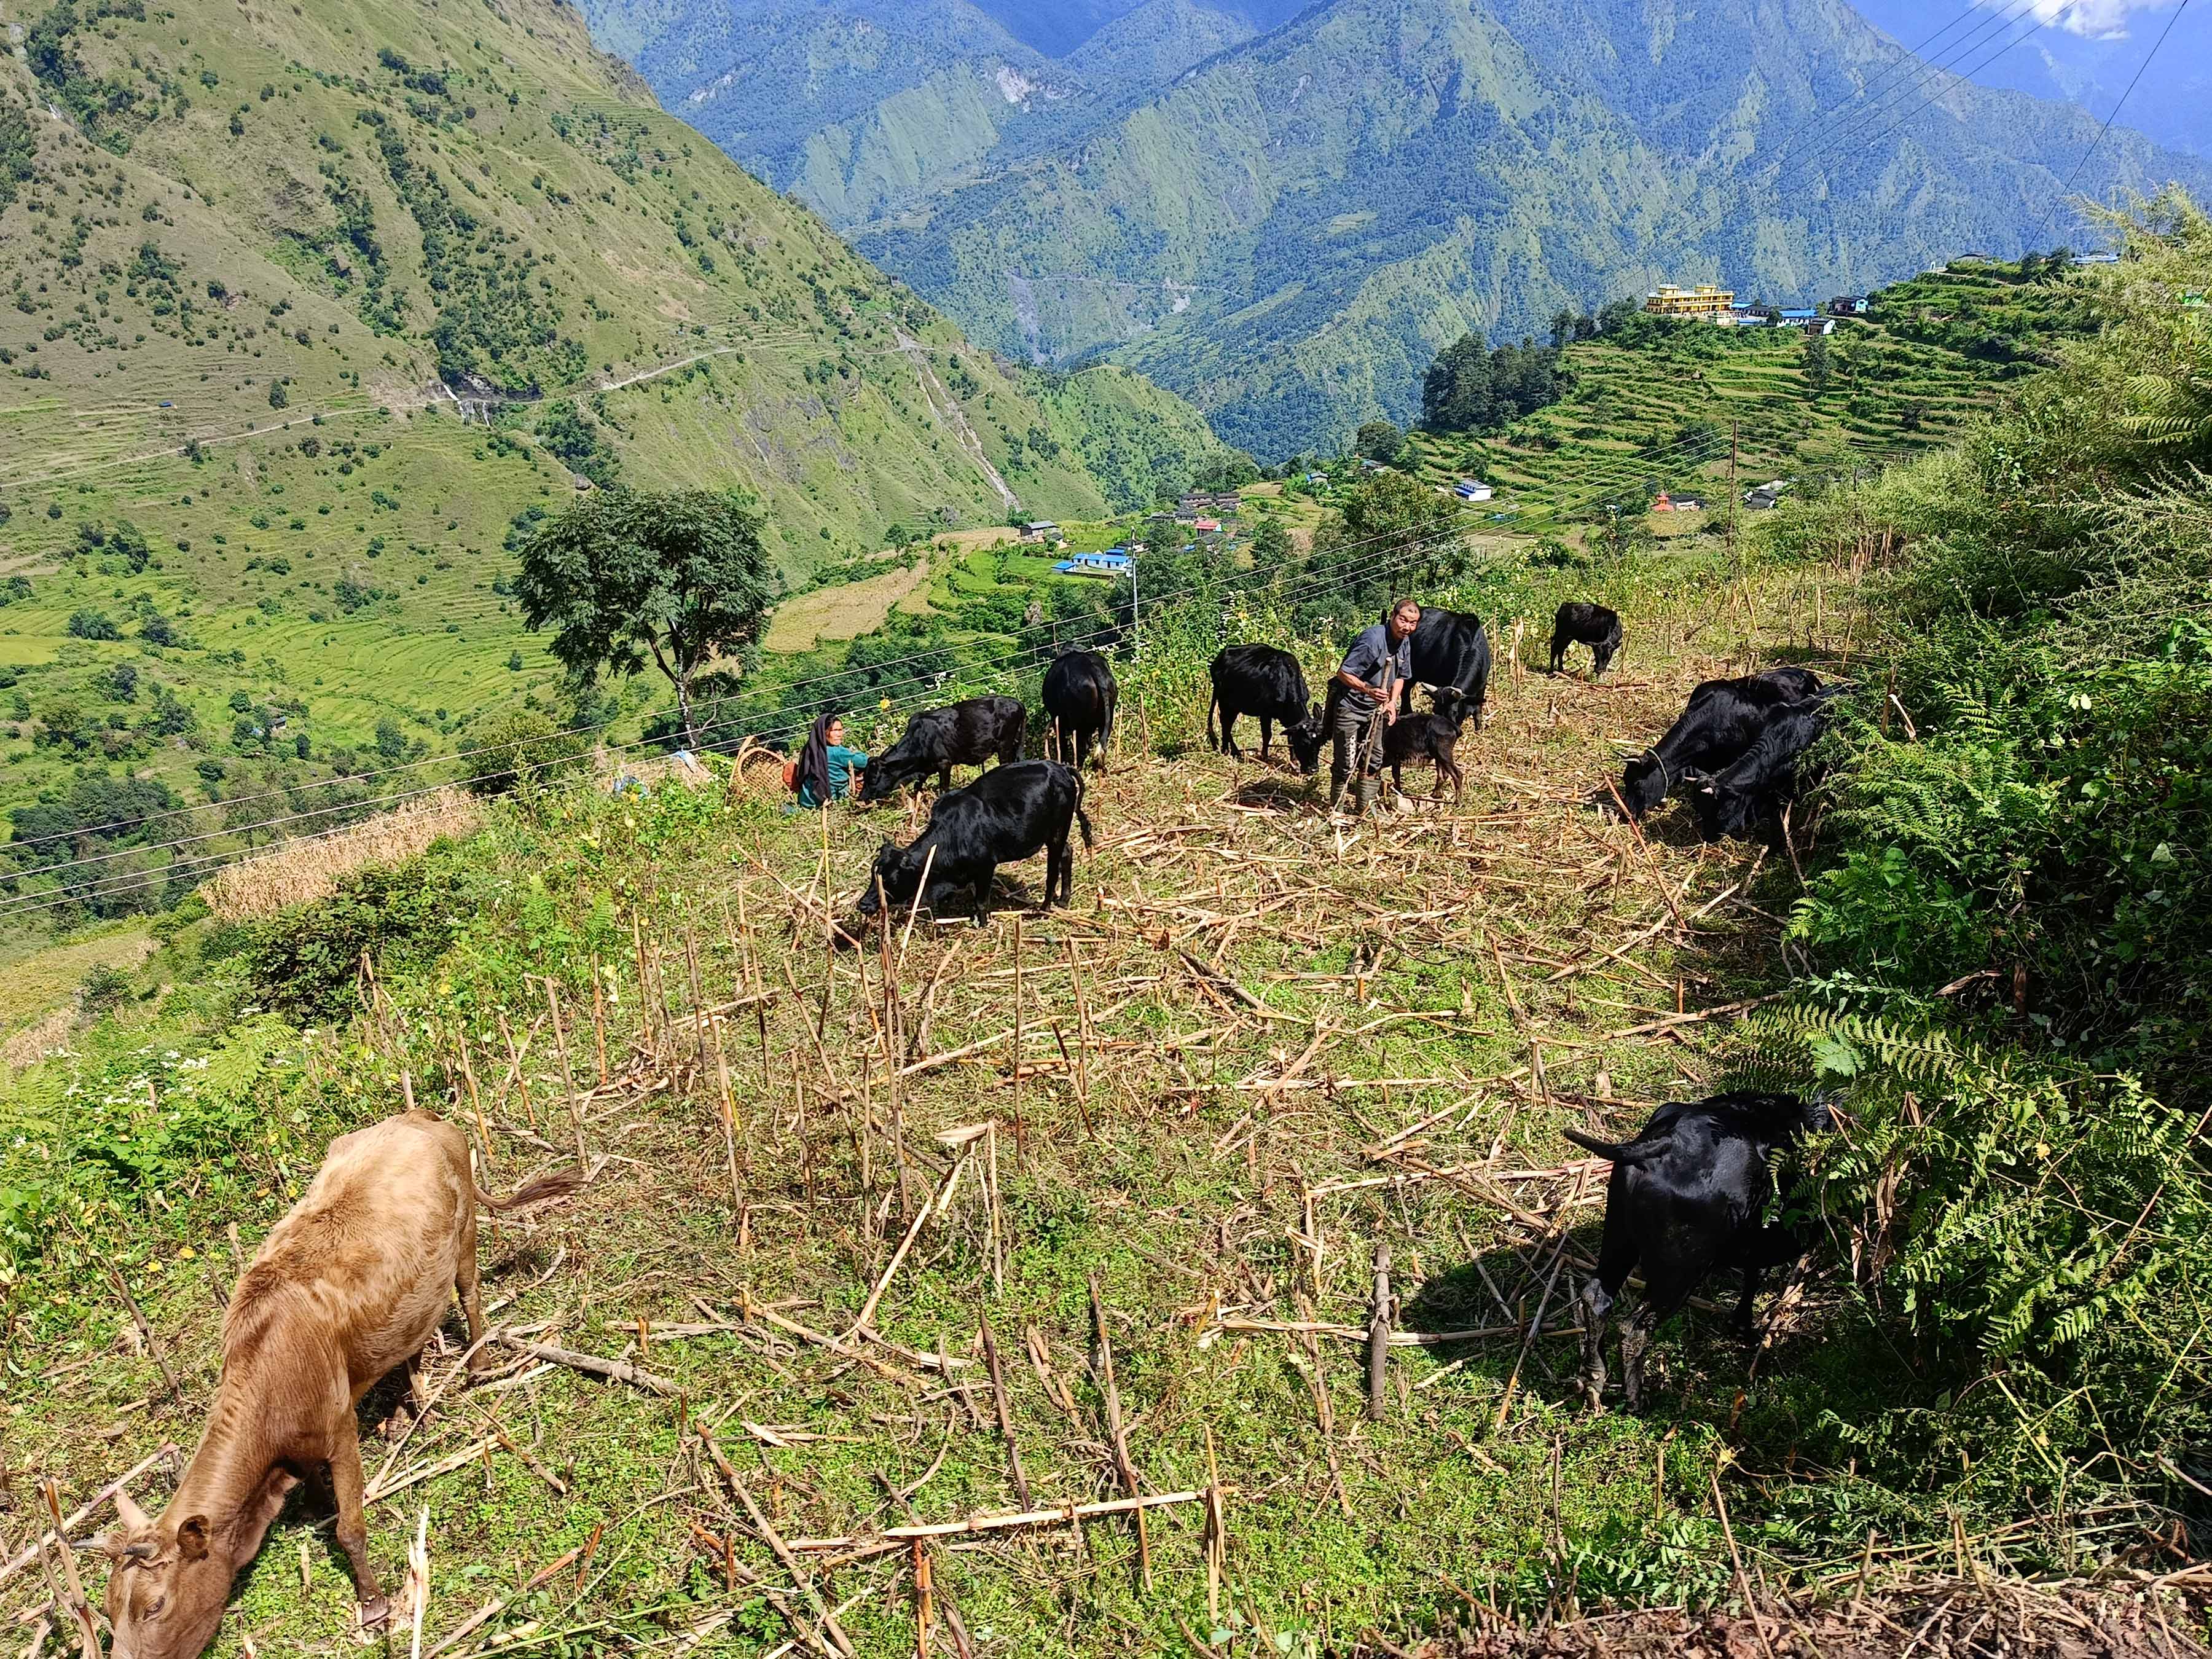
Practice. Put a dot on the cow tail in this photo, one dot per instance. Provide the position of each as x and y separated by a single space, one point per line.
1021 735
1088 845
557 1185
1620 1151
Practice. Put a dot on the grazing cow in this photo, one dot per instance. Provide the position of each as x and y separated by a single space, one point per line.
1004 817
347 1286
1428 736
1592 625
1079 697
1722 719
1258 679
1753 790
969 733
1450 653
1688 1194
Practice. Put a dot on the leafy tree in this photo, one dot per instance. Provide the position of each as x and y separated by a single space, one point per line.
391 741
1816 361
563 429
1379 441
681 578
1226 469
1271 544
1392 533
1469 389
93 625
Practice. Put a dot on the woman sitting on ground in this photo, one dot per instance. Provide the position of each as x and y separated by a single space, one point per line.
827 769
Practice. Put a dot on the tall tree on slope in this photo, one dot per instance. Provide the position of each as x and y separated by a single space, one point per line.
625 575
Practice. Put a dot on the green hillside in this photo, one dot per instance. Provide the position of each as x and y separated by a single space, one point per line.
1657 404
1288 230
310 313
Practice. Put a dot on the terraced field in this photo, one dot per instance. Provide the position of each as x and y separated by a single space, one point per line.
1931 354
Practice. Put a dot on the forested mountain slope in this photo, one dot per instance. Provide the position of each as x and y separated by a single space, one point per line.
258 259
1286 232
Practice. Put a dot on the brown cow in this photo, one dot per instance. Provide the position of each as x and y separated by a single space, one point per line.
347 1286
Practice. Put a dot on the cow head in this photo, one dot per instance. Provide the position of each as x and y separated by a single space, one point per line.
1454 704
167 1585
1306 739
1722 811
1644 783
895 875
876 784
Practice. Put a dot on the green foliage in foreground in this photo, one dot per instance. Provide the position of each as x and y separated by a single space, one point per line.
2010 926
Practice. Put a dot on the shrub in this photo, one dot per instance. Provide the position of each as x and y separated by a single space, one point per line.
93 625
305 963
521 750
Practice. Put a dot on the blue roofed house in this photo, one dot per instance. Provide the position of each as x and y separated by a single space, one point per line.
1472 490
1114 562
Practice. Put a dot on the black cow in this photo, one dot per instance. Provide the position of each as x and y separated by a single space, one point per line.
1756 787
1079 697
1005 816
970 732
1450 653
1722 719
1259 680
1688 1194
1593 625
1428 736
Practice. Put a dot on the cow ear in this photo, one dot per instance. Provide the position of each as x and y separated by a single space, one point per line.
888 846
192 1537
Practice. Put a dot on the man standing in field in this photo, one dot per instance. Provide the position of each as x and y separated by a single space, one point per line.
1369 683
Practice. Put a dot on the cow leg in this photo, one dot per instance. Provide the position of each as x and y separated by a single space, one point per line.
1267 734
1558 653
1479 693
983 893
1635 1343
1597 1306
346 1483
1447 762
1616 1260
395 1424
468 1283
943 778
1229 735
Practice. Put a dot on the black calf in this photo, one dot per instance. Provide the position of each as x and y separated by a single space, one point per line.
1752 791
970 732
1010 813
1593 625
1259 680
1080 694
1688 1194
1427 737
1722 718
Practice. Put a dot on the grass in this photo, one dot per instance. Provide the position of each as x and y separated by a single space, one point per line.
1284 1026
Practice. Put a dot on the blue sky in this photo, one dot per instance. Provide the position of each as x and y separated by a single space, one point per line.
2085 51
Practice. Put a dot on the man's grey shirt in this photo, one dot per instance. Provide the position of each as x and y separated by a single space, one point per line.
1378 662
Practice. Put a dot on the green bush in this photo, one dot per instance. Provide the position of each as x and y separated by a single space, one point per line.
306 964
520 750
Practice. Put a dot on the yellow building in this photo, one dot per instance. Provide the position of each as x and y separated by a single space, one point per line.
1704 302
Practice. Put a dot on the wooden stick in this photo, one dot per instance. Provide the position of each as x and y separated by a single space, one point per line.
79 1609
1005 1416
475 1105
515 1072
1104 1356
921 1614
773 1539
921 898
598 1020
698 999
1217 1533
1065 1515
619 1370
644 985
568 1078
1379 1335
867 1314
729 1122
1021 1132
145 1331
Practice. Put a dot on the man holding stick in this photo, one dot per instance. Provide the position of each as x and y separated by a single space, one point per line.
1363 697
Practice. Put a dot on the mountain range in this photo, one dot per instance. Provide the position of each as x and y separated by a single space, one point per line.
1283 219
311 313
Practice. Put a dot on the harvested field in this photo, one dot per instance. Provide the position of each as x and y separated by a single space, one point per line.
310 867
1189 1270
843 612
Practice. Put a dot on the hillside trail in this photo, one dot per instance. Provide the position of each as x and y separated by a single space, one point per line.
991 1228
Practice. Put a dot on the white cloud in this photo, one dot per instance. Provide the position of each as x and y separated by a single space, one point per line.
2096 20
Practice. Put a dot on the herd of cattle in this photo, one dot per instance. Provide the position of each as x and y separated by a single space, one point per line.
352 1284
1735 749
